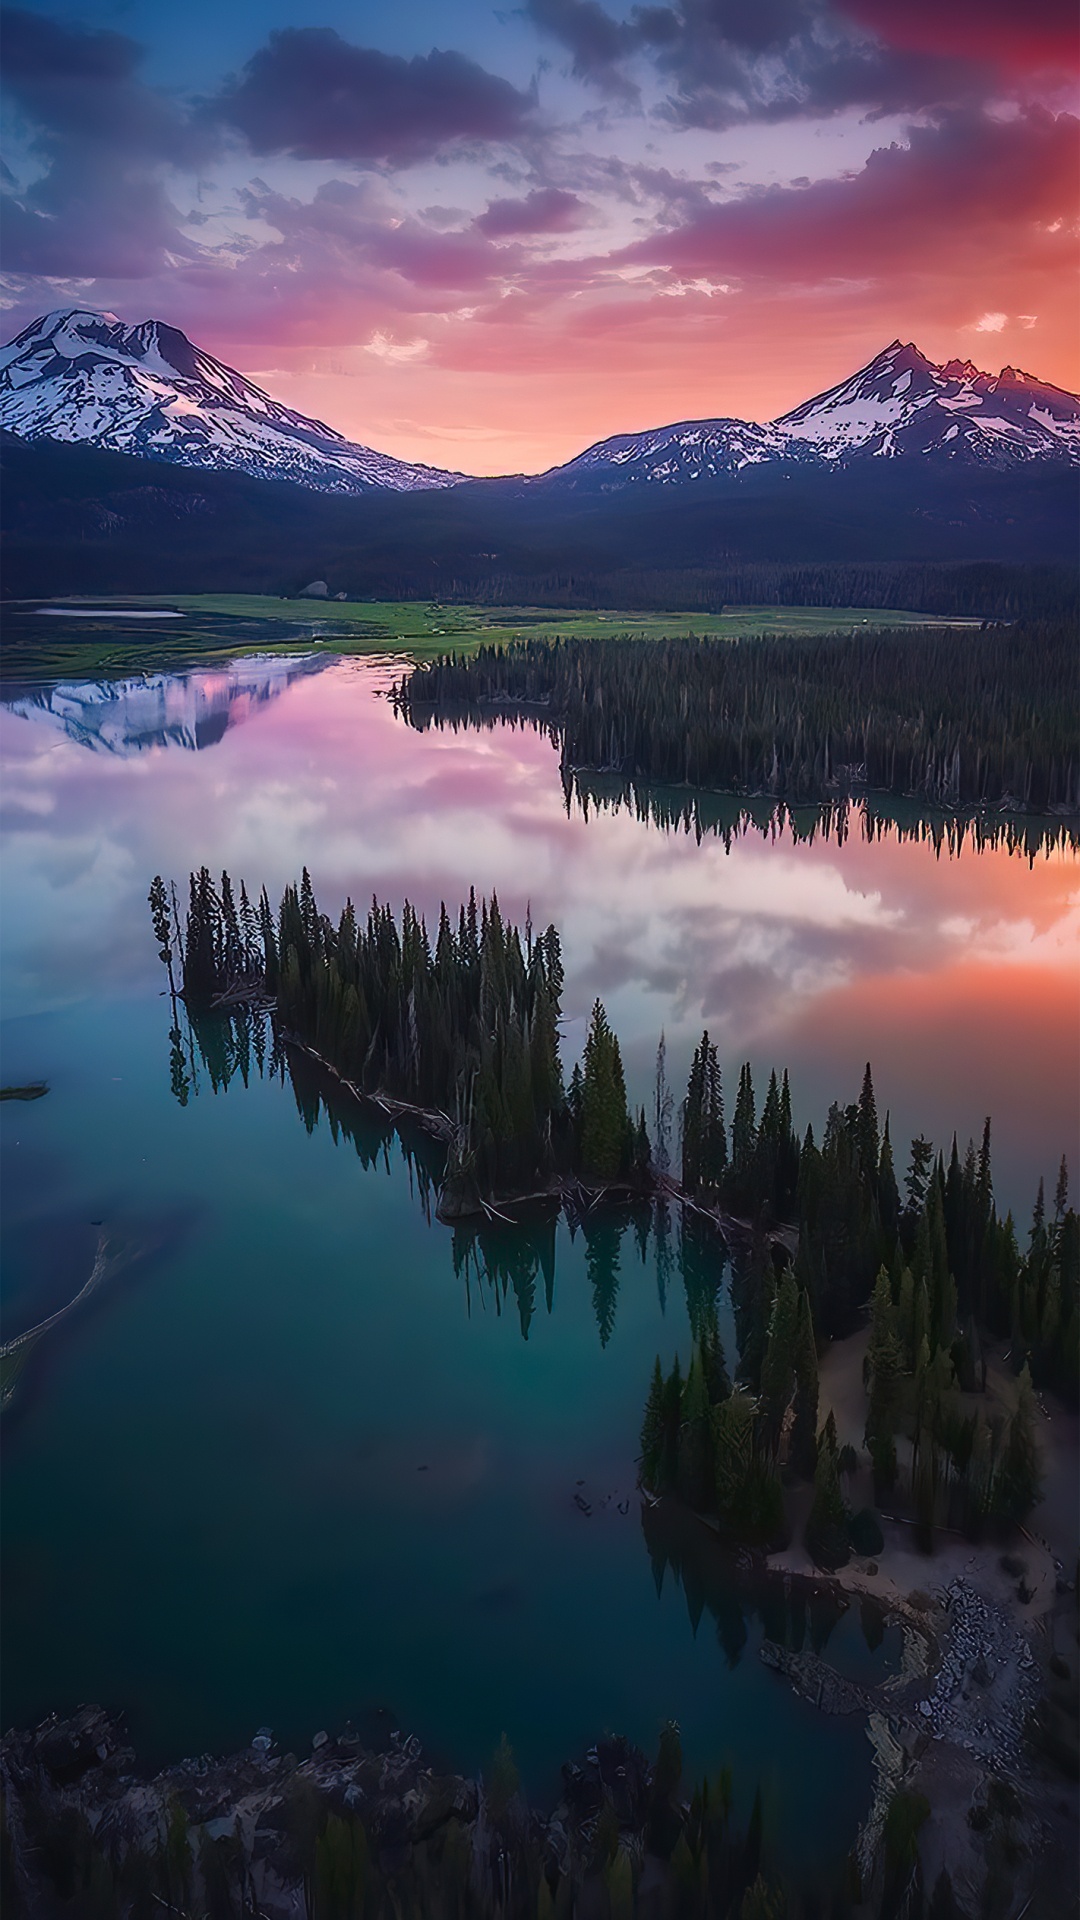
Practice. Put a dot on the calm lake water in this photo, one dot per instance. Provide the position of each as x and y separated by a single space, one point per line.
306 1454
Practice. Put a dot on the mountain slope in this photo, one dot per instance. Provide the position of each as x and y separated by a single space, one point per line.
147 390
77 519
899 405
81 377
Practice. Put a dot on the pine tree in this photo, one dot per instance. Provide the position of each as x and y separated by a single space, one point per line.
916 1180
704 1143
826 1529
604 1119
663 1107
733 1428
885 1364
1018 1486
868 1146
162 923
803 1449
778 1366
743 1139
888 1196
652 1430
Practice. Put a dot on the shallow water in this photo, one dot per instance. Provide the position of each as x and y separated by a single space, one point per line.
301 1458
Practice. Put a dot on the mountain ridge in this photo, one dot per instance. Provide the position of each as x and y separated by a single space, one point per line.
76 376
900 404
79 376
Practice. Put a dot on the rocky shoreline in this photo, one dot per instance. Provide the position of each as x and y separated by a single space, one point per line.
973 1732
349 1831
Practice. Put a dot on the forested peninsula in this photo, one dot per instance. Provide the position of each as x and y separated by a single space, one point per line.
966 719
460 1034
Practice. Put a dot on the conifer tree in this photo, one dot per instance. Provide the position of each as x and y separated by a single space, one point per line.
826 1528
888 1196
604 1119
663 1107
778 1366
1018 1486
868 1146
162 924
916 1181
733 1426
885 1364
652 1430
803 1450
743 1139
704 1143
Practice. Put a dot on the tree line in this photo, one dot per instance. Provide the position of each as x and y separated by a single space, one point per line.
463 1031
874 817
979 589
462 1028
970 718
939 1272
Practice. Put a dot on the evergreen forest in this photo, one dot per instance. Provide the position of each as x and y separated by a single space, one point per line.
970 719
459 1037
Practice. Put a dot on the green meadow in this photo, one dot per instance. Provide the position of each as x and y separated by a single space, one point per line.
87 638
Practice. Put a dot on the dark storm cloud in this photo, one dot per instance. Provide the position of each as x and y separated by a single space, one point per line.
97 208
79 86
547 210
716 89
310 93
729 61
597 43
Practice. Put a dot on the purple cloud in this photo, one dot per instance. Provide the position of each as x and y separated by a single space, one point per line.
310 93
546 210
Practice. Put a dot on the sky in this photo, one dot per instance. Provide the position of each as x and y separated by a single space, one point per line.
486 237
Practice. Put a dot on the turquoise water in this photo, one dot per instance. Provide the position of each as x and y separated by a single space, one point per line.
299 1458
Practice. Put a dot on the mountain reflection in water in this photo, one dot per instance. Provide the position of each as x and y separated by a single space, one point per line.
193 710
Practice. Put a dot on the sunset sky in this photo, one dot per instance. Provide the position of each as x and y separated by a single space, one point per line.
484 237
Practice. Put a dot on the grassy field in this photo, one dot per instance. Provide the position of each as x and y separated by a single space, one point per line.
218 626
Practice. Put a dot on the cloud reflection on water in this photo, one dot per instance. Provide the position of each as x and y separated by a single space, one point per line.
956 975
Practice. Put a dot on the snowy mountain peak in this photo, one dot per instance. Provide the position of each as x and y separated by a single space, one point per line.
79 376
901 403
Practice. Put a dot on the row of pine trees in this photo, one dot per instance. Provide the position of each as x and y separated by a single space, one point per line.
876 817
465 1029
939 1272
961 718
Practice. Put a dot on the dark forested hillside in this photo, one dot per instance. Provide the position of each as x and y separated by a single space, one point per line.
962 718
80 520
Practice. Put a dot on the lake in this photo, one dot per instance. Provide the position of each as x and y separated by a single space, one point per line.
308 1454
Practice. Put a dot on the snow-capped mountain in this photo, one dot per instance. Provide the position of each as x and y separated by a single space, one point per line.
902 403
192 709
899 404
147 390
82 377
686 451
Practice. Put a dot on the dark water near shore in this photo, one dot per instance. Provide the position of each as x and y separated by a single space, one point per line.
305 1456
